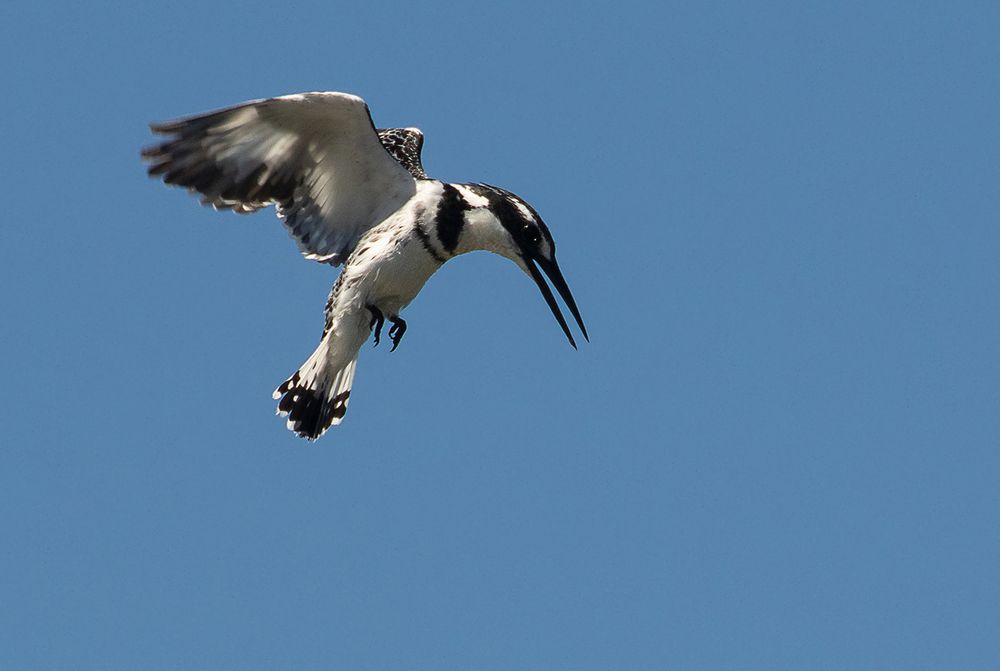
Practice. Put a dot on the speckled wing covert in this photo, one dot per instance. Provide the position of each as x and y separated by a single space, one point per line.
316 155
404 144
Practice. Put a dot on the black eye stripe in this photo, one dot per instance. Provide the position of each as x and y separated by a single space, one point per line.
519 218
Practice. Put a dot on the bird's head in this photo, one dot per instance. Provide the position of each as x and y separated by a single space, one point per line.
531 247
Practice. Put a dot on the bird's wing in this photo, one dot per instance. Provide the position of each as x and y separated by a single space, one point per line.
317 155
404 144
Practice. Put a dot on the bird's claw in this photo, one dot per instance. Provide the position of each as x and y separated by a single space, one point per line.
397 331
376 324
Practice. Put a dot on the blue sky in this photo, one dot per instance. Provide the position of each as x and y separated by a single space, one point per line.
780 449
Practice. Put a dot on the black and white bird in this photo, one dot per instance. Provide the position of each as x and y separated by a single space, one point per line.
350 195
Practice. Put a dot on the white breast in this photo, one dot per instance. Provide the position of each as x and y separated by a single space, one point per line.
402 275
391 265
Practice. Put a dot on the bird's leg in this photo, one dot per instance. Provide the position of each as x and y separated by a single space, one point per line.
397 331
376 323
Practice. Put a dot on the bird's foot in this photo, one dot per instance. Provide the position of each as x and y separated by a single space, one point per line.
376 323
397 331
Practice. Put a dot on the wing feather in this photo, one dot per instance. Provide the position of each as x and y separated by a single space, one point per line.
316 155
404 144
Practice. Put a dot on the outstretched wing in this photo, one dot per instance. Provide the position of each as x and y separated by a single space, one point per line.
317 155
404 144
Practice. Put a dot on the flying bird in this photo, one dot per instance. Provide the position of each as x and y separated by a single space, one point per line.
357 196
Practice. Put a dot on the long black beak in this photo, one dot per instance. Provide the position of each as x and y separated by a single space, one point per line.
551 269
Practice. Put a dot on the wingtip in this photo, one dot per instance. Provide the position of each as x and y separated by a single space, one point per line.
149 152
161 127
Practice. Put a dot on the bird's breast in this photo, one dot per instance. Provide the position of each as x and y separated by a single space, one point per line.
399 275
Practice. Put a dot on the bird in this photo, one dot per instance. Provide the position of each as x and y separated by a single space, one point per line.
355 196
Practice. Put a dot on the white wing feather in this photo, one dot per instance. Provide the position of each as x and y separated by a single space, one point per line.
317 155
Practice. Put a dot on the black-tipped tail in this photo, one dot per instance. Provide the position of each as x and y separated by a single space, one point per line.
312 400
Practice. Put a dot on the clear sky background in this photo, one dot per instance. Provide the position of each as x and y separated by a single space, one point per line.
779 451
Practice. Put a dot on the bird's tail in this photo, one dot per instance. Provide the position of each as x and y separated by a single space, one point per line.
315 397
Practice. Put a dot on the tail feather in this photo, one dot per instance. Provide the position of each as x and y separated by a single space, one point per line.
315 397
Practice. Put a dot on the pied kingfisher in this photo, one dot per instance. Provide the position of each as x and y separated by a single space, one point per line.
350 194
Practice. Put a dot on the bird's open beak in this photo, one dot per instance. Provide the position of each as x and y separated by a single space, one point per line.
555 276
